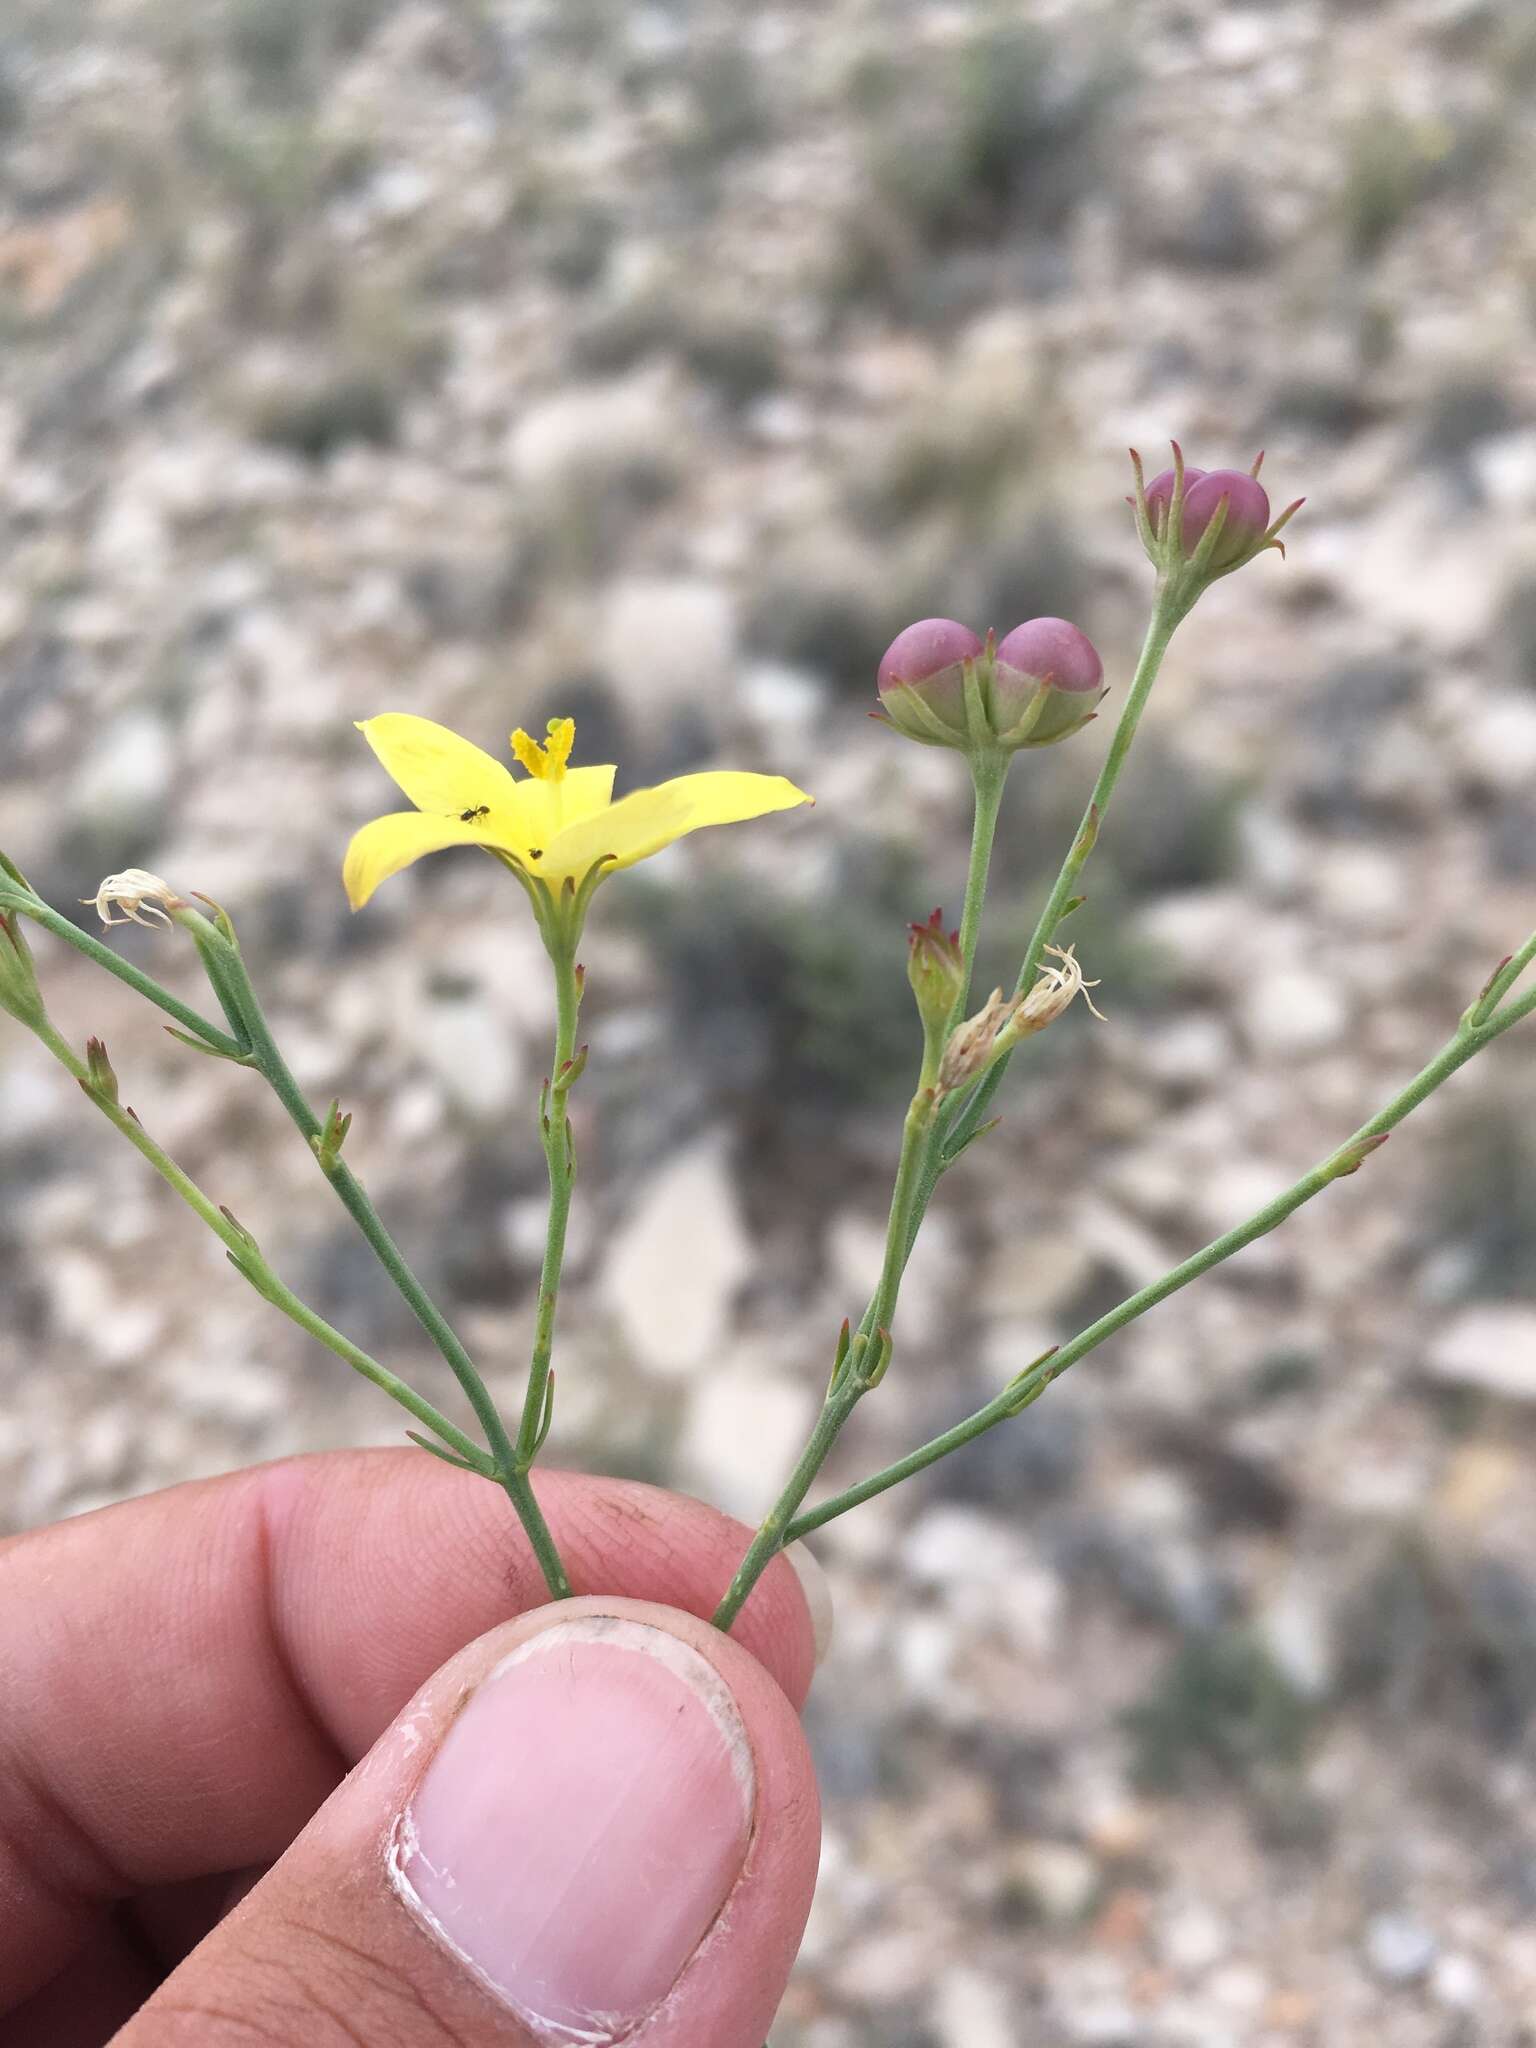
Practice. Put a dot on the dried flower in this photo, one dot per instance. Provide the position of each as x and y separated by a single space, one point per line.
974 1045
1053 993
143 898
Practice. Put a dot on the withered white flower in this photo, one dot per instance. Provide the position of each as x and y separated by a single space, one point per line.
143 898
1053 992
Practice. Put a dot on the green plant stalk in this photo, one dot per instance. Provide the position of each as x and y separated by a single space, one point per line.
560 1159
62 927
248 1259
920 1135
1470 1039
265 1056
1170 607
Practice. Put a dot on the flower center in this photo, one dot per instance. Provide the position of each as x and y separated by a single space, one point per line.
546 759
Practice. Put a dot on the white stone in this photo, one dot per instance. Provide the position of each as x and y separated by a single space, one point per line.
674 1267
1290 1011
1061 1879
128 769
1498 744
591 430
971 2010
669 640
1490 1345
466 1044
1457 1982
1399 1948
746 1427
1193 1936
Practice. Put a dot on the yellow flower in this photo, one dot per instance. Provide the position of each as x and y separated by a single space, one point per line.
555 825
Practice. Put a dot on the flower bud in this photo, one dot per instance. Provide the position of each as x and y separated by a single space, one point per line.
1160 496
1247 519
1047 678
936 971
20 995
922 681
1246 529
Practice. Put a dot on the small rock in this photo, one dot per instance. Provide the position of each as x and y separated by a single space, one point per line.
476 1060
745 1429
669 641
1400 1949
1059 1880
1192 1937
1490 1346
973 2011
1291 1011
1457 1982
675 1266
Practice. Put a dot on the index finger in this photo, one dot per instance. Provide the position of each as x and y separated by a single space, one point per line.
189 1675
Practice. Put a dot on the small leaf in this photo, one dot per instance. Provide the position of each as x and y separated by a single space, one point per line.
448 1457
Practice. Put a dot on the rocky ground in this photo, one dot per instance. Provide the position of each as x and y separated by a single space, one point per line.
495 358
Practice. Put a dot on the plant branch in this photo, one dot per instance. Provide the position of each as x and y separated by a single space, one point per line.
1470 1039
99 1085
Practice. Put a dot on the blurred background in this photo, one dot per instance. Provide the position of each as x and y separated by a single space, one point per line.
655 364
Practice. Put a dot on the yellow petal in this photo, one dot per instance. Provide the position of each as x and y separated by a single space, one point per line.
437 770
642 824
389 844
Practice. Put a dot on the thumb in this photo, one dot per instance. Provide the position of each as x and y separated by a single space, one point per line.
597 1822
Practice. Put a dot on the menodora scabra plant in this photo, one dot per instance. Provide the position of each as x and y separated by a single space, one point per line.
561 834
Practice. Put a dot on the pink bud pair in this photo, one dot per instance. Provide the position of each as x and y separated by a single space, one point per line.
942 684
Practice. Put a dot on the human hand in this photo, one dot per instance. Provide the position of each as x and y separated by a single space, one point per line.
299 1756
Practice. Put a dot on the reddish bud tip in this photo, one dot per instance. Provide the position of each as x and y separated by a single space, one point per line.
1160 496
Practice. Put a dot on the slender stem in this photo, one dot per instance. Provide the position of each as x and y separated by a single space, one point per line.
247 1257
1503 981
771 1536
1169 608
988 774
349 1190
560 1158
920 1133
1469 1040
64 928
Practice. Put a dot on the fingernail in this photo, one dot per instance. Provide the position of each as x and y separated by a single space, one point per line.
817 1588
582 1824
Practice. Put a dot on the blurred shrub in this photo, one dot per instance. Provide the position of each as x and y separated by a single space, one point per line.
1393 162
1429 1637
284 49
1480 1207
998 137
1516 632
1221 1706
805 1007
353 405
1222 231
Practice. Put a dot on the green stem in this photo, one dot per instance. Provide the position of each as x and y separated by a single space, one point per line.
1503 981
268 1059
1169 608
989 772
64 928
247 1257
870 1353
771 1536
1469 1040
560 1159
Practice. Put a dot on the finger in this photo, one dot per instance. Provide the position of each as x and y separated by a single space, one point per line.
188 1675
596 1823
